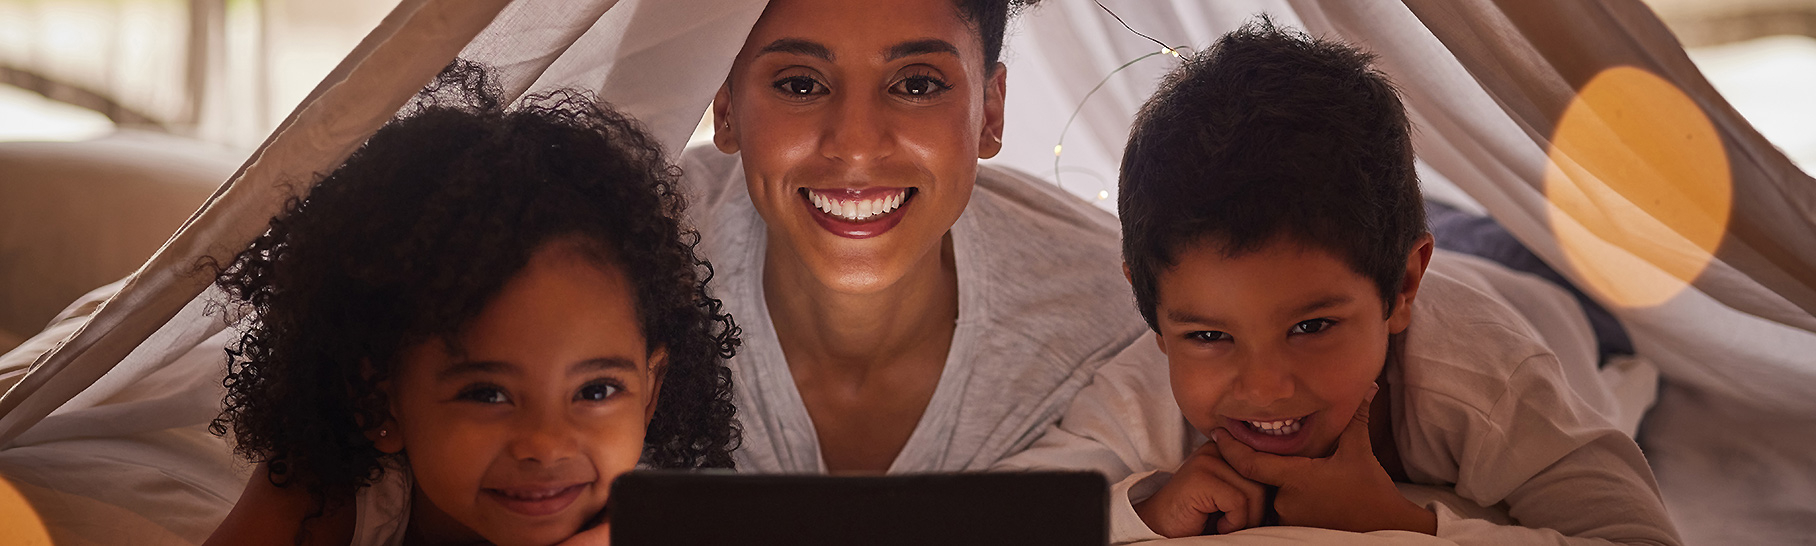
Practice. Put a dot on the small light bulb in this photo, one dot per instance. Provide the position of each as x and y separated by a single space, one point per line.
1056 149
1103 194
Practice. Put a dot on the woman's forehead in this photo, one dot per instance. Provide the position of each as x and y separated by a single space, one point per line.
860 27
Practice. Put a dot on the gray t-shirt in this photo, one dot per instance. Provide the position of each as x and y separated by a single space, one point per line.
1042 304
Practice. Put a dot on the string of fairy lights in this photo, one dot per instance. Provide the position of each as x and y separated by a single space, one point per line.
1059 146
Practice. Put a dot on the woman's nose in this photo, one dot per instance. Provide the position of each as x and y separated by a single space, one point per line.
857 132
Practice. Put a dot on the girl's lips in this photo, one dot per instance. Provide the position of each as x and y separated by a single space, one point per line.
870 226
1281 444
537 501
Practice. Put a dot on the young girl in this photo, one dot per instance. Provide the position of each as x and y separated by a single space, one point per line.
465 332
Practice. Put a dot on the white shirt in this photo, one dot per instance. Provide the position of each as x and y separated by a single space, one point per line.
1042 304
1480 405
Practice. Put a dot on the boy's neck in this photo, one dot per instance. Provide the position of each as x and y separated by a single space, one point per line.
1381 417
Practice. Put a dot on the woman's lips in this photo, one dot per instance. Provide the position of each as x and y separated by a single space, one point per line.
1278 436
536 501
857 213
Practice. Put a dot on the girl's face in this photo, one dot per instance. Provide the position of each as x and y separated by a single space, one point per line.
860 125
518 440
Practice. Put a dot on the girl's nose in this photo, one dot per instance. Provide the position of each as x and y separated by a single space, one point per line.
857 131
544 436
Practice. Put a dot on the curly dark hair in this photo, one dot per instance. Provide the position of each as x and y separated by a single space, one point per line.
418 231
1271 133
990 18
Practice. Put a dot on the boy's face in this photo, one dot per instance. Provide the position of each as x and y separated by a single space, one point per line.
519 439
1278 346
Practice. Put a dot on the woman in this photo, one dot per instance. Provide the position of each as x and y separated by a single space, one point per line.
904 310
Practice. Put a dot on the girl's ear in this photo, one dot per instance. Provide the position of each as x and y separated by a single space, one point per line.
1416 261
389 436
658 368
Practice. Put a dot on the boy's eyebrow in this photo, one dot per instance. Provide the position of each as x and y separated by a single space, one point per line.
1177 315
920 47
797 46
1326 302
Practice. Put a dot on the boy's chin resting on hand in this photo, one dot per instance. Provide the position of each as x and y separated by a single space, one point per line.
1346 491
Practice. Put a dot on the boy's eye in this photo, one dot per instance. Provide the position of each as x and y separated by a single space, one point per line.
920 86
1312 326
484 395
800 87
597 392
1209 336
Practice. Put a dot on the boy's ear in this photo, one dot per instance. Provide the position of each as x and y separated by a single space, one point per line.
1126 275
658 369
990 140
725 136
1416 261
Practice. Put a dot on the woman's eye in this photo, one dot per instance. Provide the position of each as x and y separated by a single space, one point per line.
596 392
800 86
1312 326
1209 336
920 86
484 395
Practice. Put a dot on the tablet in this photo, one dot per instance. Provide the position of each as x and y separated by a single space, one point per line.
699 508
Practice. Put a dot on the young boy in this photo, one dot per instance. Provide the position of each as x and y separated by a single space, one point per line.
1275 239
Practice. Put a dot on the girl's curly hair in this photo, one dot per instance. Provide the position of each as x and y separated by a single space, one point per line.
421 227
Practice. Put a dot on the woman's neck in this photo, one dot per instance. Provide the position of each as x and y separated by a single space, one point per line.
911 319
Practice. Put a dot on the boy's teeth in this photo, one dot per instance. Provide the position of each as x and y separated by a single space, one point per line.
856 209
1276 428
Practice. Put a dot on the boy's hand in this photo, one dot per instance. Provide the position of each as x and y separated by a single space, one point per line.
1347 491
1204 485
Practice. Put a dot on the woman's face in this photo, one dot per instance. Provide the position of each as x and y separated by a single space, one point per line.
519 439
860 124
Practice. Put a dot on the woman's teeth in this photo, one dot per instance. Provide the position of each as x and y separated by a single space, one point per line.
856 210
1276 428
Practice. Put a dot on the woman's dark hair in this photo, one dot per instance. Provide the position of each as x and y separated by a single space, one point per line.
418 231
990 18
1271 133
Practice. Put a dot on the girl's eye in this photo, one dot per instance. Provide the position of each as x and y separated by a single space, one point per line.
484 395
800 87
1312 326
597 392
1209 336
920 86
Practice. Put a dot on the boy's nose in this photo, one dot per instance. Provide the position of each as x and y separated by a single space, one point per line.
1263 381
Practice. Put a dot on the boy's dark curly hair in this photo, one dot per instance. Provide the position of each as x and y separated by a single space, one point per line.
421 227
1271 133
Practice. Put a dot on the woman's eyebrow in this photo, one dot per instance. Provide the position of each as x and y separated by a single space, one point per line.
797 46
920 47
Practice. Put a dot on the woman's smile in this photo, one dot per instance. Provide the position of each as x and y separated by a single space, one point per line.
858 213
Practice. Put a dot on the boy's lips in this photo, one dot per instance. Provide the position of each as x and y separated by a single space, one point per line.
537 500
857 213
1280 436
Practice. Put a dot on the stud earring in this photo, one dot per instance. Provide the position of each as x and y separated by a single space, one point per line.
382 433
